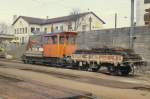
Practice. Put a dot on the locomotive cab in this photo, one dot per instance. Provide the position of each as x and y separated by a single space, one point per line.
50 48
58 45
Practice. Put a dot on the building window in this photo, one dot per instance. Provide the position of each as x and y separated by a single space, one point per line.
20 40
23 40
26 30
18 31
37 29
56 28
45 30
15 31
147 18
22 30
83 27
32 29
61 28
146 1
52 29
69 27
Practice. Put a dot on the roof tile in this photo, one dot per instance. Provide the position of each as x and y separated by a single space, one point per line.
39 21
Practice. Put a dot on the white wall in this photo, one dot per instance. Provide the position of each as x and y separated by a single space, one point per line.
140 11
21 36
96 24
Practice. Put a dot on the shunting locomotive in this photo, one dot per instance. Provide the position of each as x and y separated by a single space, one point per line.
60 49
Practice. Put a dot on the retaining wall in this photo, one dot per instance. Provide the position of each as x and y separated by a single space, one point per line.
117 38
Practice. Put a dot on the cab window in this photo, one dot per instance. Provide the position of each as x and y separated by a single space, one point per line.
62 39
47 40
54 39
71 39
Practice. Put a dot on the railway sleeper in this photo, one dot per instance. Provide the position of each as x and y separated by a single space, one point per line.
80 65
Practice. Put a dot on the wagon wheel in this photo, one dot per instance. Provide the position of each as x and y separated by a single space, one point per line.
84 68
125 70
112 70
96 69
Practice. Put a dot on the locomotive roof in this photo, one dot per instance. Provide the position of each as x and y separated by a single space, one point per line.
61 33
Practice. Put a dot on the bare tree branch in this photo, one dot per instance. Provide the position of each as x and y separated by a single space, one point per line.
3 28
76 18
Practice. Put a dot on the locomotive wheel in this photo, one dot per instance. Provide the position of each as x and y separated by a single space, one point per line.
125 70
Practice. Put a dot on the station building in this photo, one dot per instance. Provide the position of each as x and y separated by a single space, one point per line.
25 26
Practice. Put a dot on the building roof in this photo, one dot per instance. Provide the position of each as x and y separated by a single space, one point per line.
62 19
39 21
5 36
31 20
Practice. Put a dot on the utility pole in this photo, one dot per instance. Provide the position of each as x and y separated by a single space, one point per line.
132 24
114 38
90 26
116 19
132 12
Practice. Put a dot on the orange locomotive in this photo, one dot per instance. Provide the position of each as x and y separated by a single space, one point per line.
50 48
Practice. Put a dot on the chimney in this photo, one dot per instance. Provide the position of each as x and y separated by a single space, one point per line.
14 17
47 17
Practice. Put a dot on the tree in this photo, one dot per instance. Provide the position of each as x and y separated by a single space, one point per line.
3 28
76 18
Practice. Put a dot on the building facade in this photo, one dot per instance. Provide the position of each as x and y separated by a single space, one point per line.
26 26
141 14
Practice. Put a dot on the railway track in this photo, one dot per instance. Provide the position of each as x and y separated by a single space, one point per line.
67 67
14 88
39 77
81 78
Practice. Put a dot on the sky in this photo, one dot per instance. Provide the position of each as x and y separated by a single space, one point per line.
105 9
